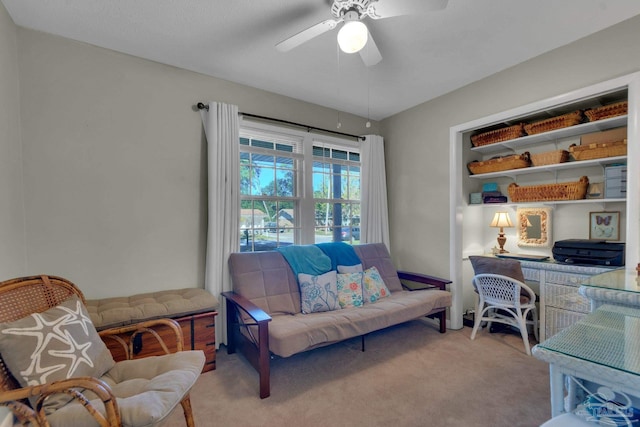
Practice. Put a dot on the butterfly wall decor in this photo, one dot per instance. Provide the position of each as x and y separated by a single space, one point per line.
604 226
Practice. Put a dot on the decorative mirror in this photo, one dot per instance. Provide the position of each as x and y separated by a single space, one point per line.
534 227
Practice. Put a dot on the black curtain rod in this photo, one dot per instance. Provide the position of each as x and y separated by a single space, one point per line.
202 106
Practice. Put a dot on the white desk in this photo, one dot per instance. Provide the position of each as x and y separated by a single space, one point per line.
603 347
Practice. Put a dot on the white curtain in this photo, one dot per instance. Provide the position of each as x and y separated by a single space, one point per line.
221 127
374 227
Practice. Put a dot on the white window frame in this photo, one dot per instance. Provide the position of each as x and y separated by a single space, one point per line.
305 211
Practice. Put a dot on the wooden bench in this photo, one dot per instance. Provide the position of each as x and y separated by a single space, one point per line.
194 309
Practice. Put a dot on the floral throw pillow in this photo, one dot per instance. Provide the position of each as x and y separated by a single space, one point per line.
318 293
373 286
350 290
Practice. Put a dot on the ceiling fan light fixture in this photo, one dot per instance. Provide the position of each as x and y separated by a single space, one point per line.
352 36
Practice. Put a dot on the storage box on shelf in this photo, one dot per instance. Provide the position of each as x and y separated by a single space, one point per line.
611 135
615 181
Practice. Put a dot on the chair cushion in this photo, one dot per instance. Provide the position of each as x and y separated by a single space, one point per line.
146 389
505 267
112 312
56 344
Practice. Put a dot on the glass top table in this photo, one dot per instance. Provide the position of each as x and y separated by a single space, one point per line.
621 286
610 336
604 347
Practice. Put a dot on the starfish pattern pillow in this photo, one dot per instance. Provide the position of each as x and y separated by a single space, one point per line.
57 344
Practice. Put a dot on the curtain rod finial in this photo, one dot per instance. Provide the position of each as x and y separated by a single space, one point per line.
201 106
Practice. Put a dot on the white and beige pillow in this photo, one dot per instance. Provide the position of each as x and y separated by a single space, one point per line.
318 293
56 344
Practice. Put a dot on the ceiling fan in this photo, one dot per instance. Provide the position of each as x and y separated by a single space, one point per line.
354 34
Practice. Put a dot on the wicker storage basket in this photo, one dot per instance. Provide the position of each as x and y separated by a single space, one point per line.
607 111
554 123
517 161
548 192
549 158
498 135
598 151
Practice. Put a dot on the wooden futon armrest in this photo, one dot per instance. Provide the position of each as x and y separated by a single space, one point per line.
423 278
253 340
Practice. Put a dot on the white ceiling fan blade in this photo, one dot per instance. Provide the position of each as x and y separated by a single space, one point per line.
370 53
388 8
306 35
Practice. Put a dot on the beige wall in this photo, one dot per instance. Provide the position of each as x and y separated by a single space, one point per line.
12 228
417 140
115 172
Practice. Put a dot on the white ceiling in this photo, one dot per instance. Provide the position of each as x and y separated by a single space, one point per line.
424 56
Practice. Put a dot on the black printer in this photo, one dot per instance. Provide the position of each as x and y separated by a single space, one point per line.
598 252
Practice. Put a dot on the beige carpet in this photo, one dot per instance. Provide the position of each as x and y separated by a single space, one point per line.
409 375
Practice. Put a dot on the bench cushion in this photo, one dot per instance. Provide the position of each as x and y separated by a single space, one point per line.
114 312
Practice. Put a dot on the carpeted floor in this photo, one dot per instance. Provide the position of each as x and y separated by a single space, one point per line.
409 375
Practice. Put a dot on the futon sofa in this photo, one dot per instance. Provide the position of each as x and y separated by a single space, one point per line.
264 315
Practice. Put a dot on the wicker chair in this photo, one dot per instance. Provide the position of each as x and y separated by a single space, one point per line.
501 300
97 401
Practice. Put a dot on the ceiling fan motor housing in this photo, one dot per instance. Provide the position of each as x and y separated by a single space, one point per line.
340 8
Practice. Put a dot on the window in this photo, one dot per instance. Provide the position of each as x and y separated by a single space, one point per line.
297 188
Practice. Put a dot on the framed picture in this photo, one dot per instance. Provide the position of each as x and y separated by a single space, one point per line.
604 225
534 227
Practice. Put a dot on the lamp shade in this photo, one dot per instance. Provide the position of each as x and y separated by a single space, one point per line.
352 36
501 219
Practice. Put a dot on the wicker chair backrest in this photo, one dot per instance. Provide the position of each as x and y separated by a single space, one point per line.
23 296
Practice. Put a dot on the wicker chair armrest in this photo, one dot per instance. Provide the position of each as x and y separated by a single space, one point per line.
424 278
146 327
13 399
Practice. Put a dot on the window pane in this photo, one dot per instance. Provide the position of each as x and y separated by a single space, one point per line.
271 169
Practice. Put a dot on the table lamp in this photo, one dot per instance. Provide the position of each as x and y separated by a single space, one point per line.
501 220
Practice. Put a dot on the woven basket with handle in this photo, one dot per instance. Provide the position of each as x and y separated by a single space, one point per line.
516 161
558 122
549 192
598 151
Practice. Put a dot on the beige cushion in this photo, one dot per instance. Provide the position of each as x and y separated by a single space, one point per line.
265 279
57 344
377 255
113 312
289 334
147 389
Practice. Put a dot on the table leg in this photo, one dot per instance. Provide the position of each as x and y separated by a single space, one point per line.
556 380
